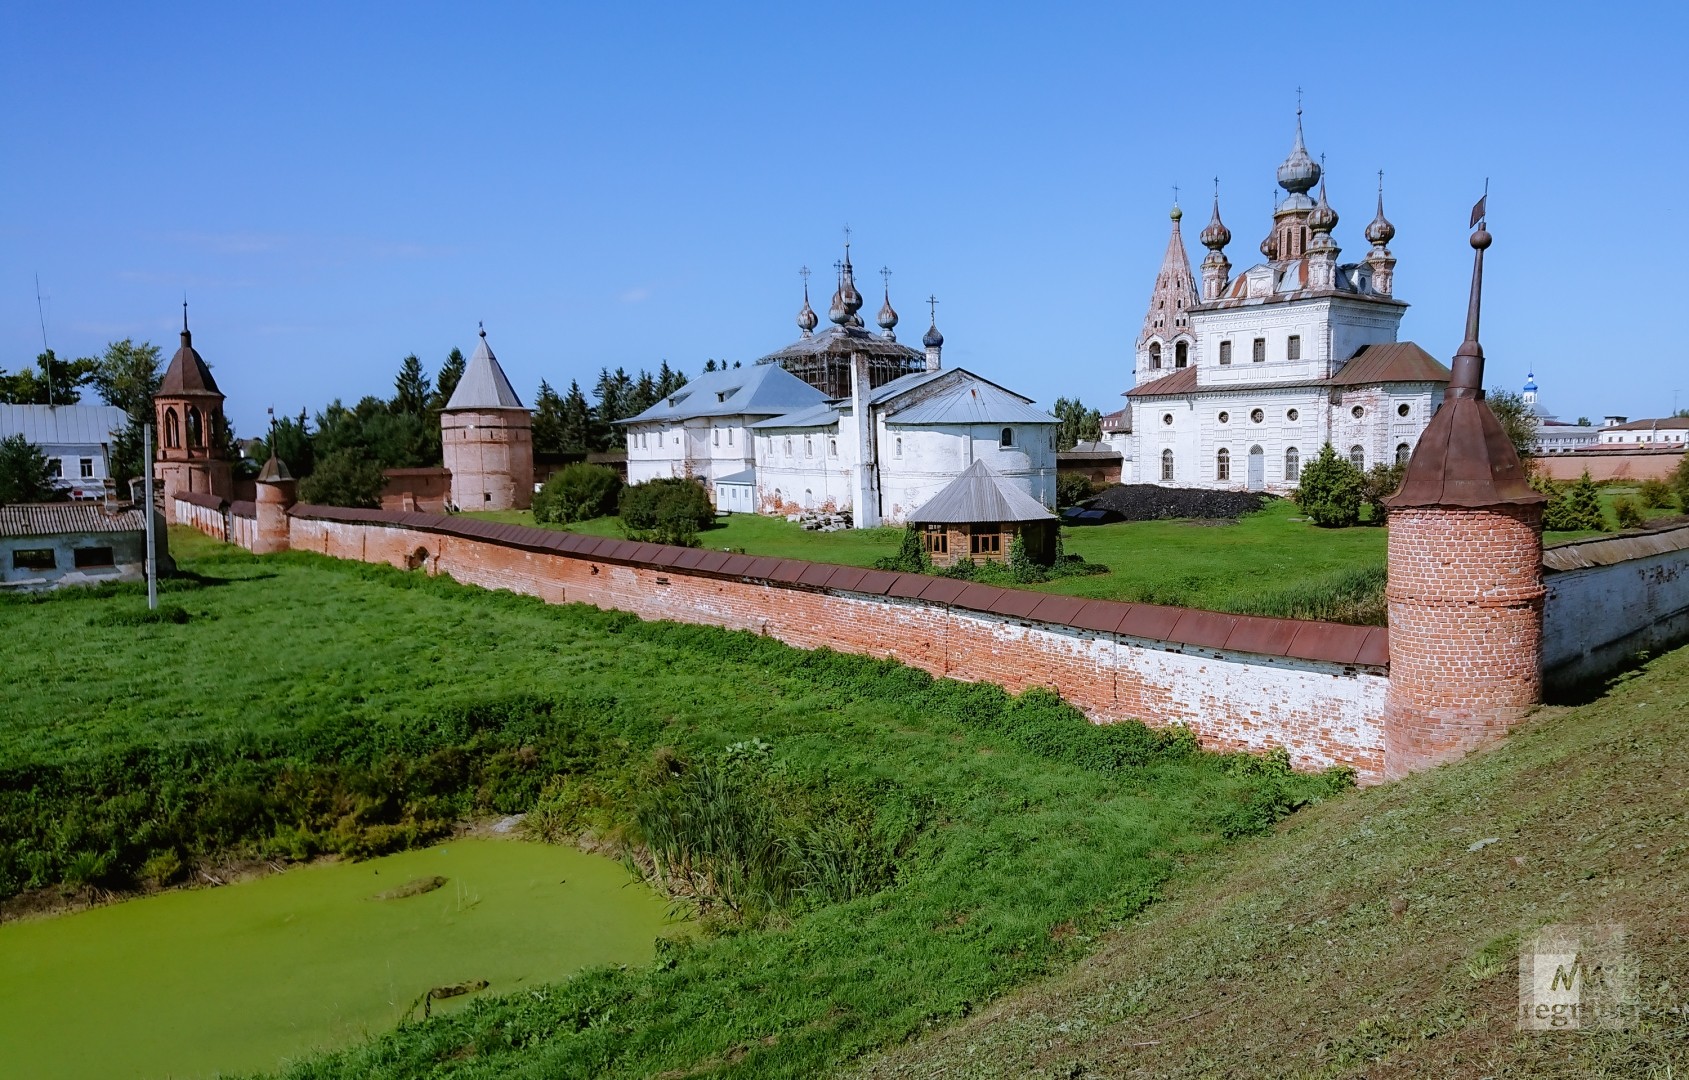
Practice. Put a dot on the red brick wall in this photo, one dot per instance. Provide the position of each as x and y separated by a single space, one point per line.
1324 713
1465 609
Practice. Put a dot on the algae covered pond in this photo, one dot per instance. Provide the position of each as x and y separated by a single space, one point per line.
196 982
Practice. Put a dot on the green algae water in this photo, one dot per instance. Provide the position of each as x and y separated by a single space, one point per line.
197 982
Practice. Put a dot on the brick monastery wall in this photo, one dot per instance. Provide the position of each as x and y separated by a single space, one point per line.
1241 683
1609 464
1609 600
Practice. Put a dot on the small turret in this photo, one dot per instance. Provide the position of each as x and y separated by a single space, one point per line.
1216 268
1379 233
1322 250
807 319
932 339
887 318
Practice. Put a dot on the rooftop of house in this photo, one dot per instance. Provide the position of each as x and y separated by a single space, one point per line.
58 519
758 390
980 495
62 425
483 385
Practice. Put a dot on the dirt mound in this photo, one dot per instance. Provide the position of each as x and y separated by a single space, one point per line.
1149 502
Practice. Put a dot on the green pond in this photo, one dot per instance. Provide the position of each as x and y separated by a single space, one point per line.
194 982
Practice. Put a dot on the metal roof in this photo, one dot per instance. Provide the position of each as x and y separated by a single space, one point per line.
1606 551
749 476
843 341
758 390
980 494
816 416
1391 362
187 374
54 519
483 385
61 425
1671 423
971 402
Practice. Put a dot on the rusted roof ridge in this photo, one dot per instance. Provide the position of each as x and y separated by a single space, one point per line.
1605 551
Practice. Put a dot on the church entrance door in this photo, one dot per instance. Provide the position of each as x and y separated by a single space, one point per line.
1257 469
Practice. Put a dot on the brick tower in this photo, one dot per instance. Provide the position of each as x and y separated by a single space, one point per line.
277 492
1166 342
486 437
192 440
1465 590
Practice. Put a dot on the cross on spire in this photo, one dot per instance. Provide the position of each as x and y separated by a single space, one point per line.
1175 194
885 276
932 309
1298 103
847 241
803 272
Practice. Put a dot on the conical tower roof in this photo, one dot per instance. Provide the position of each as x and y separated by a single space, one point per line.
483 385
1175 290
188 375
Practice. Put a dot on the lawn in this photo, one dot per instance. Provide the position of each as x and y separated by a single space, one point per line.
936 843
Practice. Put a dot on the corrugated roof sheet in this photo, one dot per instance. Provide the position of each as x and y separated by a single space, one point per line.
62 425
54 519
483 385
972 401
1396 361
749 476
1616 549
823 415
981 494
758 390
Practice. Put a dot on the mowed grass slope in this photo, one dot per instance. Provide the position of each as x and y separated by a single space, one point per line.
1015 831
1369 938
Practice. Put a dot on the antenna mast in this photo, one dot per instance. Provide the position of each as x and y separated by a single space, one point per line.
45 350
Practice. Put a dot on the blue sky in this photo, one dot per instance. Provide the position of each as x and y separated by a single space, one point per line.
337 186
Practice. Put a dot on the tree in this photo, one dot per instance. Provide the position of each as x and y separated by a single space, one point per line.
412 390
612 393
548 421
1680 484
58 382
451 372
1331 490
127 376
290 440
709 366
25 474
643 395
1077 423
667 510
1379 483
1576 509
343 478
578 492
1583 421
1517 420
1681 414
669 380
575 420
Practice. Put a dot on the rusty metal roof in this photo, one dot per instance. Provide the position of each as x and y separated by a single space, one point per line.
1182 381
188 375
54 519
1392 362
1607 550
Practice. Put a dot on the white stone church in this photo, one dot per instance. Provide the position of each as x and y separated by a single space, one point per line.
843 419
1242 380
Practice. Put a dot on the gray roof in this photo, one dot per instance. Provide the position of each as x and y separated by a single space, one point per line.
973 401
483 385
758 390
50 425
54 519
845 341
816 416
749 476
979 496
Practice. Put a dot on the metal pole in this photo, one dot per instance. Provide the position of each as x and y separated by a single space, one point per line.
152 541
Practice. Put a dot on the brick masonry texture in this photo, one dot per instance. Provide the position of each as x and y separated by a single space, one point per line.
1465 610
1176 666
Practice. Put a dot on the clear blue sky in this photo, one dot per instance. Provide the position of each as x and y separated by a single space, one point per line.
335 186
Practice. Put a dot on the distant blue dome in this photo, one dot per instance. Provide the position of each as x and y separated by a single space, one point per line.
1530 382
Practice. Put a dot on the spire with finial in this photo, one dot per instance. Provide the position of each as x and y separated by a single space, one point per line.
1215 236
807 319
846 301
1379 231
887 318
932 339
1299 173
1216 268
1322 218
187 336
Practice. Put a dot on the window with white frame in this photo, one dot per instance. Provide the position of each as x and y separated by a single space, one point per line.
1357 456
1292 465
1223 464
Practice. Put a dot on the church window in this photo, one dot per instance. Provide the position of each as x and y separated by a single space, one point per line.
729 436
1292 415
1181 354
1257 415
1167 464
808 499
1166 418
1357 412
937 540
898 447
1259 353
788 446
1292 465
172 429
1293 347
1225 352
1304 246
808 447
196 428
1403 452
1155 354
1224 416
832 448
1223 465
1008 438
1357 457
1402 409
715 436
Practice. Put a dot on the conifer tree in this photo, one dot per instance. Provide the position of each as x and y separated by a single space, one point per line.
451 372
1578 509
576 420
1331 490
412 388
548 420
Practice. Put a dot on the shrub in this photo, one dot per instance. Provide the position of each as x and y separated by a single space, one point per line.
343 478
577 492
668 510
1654 494
1628 513
1331 490
1679 484
911 557
25 475
1381 482
1577 509
1073 489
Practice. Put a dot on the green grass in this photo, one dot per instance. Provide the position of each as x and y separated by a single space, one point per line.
306 703
1380 935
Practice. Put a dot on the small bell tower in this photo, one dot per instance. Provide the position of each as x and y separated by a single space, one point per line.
192 432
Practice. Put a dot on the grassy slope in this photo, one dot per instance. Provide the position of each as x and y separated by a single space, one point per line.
1290 961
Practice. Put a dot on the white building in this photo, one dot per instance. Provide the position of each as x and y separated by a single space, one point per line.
1554 435
702 429
1671 432
1242 381
75 439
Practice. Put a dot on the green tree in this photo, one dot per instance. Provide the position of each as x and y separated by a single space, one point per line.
669 380
25 474
1576 509
1517 420
51 382
578 492
548 421
1679 482
575 420
1077 423
291 442
127 376
612 393
709 366
668 510
451 373
1379 483
643 395
1331 490
343 478
412 389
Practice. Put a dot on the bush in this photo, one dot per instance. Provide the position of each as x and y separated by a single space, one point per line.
1679 484
911 557
1072 489
668 510
1654 494
1331 490
1381 482
1576 509
1628 513
25 475
343 478
577 492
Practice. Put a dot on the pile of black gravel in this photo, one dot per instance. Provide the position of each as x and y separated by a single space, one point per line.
1149 502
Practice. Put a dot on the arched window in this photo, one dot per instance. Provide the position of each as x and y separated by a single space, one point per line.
1223 465
832 448
196 429
1155 354
1403 452
1292 466
1167 464
1008 438
808 499
1181 354
788 446
808 446
899 447
172 429
1357 457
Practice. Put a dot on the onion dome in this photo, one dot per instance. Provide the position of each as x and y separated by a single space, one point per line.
1269 246
932 339
1379 231
1175 213
1216 236
807 319
887 317
1299 173
1530 382
1322 218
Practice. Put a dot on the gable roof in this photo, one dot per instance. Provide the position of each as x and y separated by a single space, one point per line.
971 401
52 519
981 495
60 425
1391 362
758 390
483 385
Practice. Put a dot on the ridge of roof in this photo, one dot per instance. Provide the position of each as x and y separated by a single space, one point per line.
980 494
